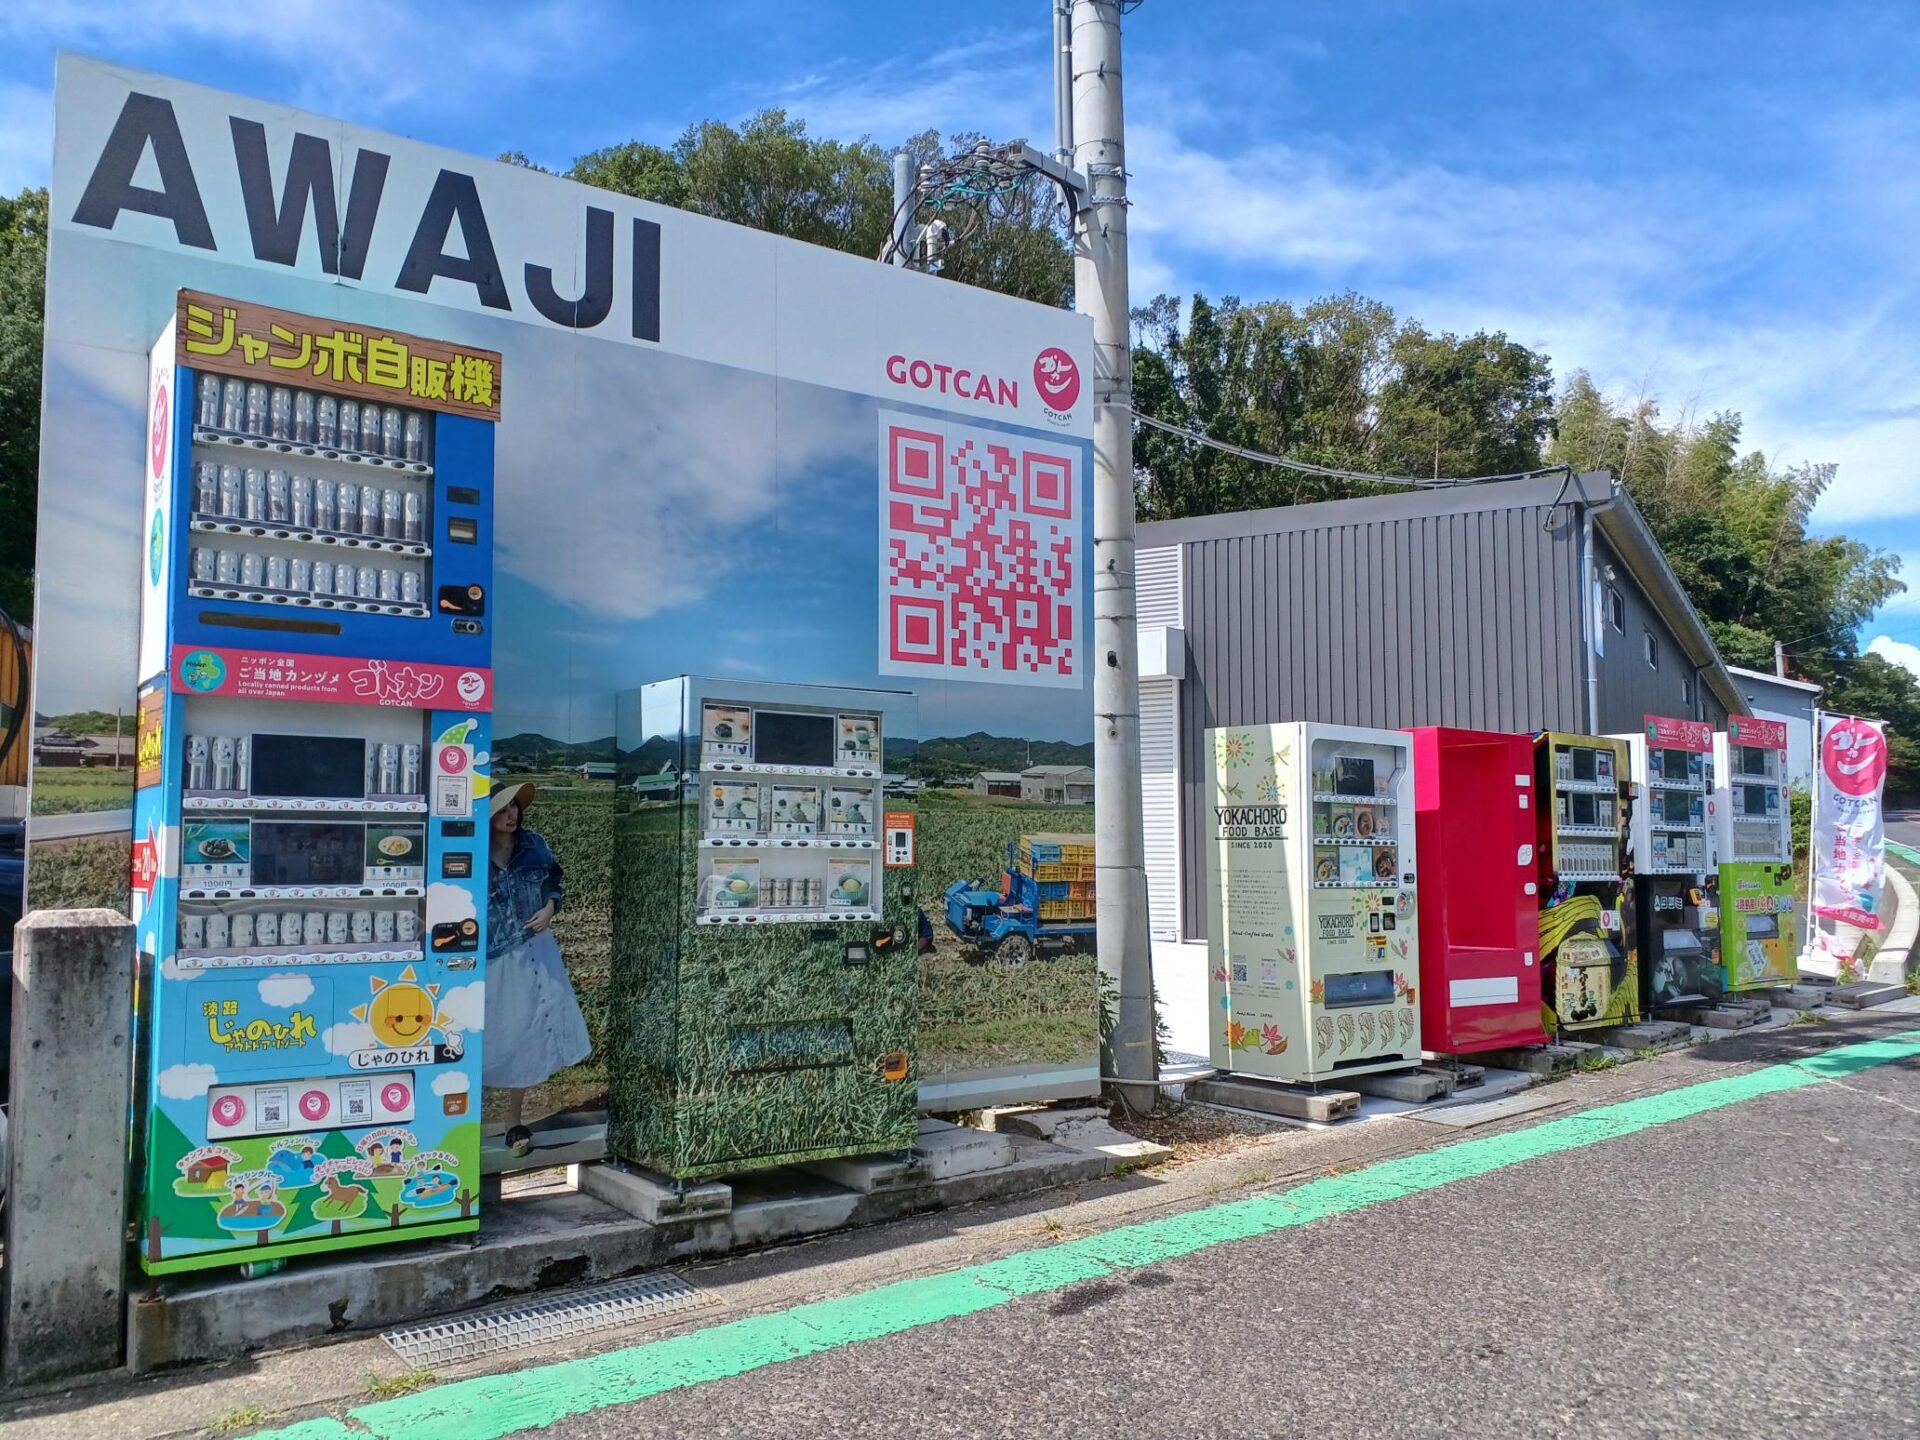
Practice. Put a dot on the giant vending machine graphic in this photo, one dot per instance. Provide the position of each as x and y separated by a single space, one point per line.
1313 941
310 834
1480 906
1590 974
1759 925
765 965
1676 884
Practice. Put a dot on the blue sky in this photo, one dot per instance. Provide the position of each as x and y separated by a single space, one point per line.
1712 203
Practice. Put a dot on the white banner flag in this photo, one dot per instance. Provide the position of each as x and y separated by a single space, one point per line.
1848 844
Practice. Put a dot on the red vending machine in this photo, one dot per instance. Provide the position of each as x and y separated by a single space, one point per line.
1474 819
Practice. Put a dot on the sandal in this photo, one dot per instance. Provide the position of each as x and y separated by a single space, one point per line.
519 1139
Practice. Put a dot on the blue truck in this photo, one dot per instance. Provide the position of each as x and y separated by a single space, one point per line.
1004 919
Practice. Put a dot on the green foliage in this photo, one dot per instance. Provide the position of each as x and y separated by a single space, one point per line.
1338 382
770 174
23 278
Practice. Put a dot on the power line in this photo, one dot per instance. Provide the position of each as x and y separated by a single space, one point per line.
1330 472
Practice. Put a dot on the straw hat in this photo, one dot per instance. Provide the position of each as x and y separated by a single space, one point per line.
521 791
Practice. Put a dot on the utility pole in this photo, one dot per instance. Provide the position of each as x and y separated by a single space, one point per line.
903 181
1089 119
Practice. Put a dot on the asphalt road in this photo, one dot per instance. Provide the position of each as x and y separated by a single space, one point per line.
1907 832
1747 1273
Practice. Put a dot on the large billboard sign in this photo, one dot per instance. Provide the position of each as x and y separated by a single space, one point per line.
718 453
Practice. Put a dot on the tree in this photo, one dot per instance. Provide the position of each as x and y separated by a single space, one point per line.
1340 382
23 280
770 174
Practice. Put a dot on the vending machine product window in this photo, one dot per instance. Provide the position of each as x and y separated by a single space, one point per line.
1588 946
330 767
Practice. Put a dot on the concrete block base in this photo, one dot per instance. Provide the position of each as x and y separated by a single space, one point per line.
1414 1086
870 1174
1865 994
1658 1034
1558 1059
538 1240
1269 1097
1084 1128
951 1151
647 1196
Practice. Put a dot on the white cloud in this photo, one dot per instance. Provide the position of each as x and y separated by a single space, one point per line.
285 989
172 969
995 83
186 1082
447 902
1897 652
465 1006
451 1082
347 1037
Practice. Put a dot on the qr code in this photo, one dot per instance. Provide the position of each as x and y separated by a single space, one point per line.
980 554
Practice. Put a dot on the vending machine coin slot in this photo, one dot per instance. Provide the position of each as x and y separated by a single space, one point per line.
457 829
462 529
457 865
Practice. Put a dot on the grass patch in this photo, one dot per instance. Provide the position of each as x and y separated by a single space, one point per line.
245 1418
390 1387
1594 1060
1810 1017
69 792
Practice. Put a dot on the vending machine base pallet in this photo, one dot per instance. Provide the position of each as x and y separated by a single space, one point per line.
1554 1059
1730 1014
1663 1033
1271 1097
1416 1086
1861 995
1466 1073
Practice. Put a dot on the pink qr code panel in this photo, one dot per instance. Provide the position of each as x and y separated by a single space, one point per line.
980 554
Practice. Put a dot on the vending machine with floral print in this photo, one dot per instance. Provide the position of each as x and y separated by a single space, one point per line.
309 857
1313 935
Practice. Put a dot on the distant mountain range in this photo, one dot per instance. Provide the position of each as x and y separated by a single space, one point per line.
945 756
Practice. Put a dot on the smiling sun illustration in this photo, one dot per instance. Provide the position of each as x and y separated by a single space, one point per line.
403 1011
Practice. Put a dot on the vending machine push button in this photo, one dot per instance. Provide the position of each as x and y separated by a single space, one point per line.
314 1105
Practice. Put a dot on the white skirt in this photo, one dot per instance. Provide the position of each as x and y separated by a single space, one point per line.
533 1025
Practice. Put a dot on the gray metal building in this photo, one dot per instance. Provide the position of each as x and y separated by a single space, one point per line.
1517 605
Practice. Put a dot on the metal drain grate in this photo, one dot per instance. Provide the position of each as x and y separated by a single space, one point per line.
515 1323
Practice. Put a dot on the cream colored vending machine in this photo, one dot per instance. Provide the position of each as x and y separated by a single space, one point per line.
1313 944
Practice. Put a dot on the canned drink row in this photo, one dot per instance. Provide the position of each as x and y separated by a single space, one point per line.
268 495
782 890
219 762
393 769
216 565
245 929
305 417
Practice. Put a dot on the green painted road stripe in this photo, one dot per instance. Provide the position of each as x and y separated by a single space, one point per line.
1905 852
489 1407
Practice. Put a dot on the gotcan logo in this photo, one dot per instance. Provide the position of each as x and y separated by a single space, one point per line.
1854 755
1057 378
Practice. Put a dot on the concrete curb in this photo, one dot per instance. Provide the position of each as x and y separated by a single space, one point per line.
1892 961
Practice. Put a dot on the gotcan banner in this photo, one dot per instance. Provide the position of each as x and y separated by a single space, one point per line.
1848 859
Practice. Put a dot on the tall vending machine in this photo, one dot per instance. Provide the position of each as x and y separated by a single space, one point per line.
1480 905
765 960
1590 974
1314 943
1759 925
310 828
1676 884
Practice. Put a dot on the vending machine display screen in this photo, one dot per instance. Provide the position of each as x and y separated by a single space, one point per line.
1754 798
307 852
1674 765
317 767
1352 775
1749 760
1367 987
784 737
1583 765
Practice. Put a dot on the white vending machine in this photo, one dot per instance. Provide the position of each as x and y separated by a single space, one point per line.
1313 943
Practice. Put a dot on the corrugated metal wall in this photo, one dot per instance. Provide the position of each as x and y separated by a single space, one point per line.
1630 688
1467 618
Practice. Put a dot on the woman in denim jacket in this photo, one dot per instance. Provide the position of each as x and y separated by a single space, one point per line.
533 1023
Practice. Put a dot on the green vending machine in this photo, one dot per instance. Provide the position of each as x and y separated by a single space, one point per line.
765 970
1759 929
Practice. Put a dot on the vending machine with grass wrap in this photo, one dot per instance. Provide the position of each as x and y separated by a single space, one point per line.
1676 884
766 927
1759 921
1313 942
1589 961
309 856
